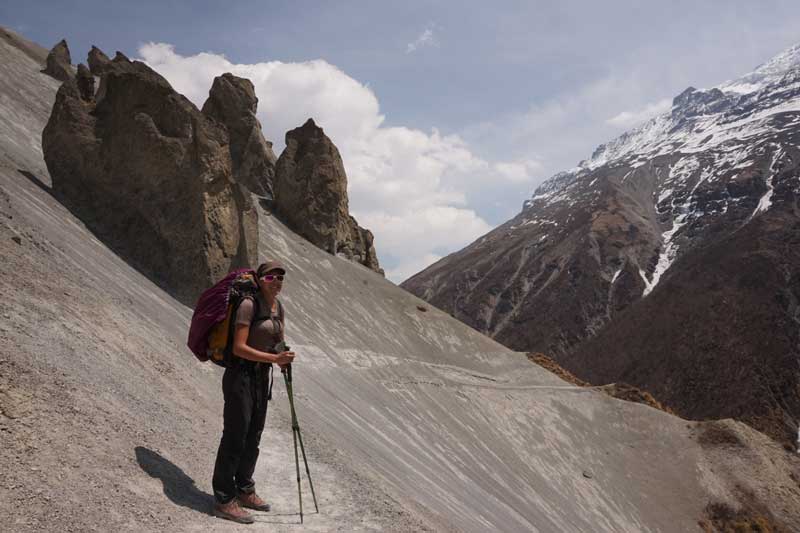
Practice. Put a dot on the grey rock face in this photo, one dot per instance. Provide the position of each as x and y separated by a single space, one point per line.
311 195
59 62
151 176
232 101
99 63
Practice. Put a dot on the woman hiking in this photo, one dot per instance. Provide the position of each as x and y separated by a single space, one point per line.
246 387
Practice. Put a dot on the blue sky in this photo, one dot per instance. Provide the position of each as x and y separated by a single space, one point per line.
447 114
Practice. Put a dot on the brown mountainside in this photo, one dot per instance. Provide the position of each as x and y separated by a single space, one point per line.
621 268
720 337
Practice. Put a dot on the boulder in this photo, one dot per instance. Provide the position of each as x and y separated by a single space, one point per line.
311 196
98 62
151 176
232 101
59 63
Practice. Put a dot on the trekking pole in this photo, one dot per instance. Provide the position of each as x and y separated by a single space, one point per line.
288 381
297 436
296 428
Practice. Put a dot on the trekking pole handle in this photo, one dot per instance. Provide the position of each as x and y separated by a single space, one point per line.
286 370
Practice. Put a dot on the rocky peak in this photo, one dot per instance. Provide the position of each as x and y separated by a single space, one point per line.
232 102
99 63
309 133
59 62
684 97
693 102
692 97
231 96
151 176
85 82
767 73
311 196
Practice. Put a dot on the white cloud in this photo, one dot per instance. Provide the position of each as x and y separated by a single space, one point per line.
407 269
557 133
406 185
518 171
627 119
288 93
413 231
426 38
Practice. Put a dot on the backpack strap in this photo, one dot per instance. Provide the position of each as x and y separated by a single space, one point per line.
256 309
228 352
280 310
280 317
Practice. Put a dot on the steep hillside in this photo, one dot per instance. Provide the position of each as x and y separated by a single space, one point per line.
733 351
412 420
608 235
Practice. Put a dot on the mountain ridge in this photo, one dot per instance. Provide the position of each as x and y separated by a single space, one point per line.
598 239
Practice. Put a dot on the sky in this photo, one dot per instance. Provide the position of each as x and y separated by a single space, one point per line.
447 114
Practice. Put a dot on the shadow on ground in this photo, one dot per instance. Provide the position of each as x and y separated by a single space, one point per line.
178 487
37 181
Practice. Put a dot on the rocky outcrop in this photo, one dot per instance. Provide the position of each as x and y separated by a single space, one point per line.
151 176
232 101
59 62
99 63
85 83
359 246
311 196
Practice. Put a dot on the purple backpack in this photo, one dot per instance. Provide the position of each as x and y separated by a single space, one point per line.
211 329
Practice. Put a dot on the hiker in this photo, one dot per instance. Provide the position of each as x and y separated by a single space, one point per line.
247 387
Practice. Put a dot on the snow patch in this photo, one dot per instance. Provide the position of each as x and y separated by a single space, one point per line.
766 200
625 177
682 169
666 193
742 88
647 285
669 251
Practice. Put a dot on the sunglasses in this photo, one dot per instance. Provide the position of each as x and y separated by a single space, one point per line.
273 277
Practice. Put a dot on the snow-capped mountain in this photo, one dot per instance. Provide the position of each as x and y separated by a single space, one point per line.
713 140
596 242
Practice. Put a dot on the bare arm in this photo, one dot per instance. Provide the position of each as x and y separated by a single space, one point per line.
241 349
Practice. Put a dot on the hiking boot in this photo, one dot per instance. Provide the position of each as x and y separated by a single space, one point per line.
251 500
232 511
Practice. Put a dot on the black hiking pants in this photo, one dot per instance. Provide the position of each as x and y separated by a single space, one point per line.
246 389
